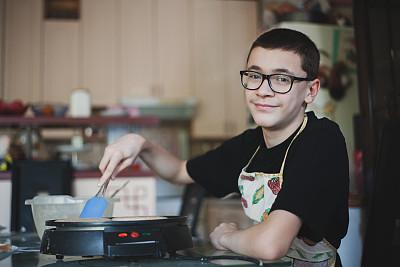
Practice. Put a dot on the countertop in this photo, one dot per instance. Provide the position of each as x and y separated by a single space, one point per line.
26 254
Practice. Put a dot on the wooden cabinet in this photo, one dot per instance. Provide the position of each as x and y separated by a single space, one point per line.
209 68
135 48
223 33
22 50
41 59
137 58
155 48
242 22
100 47
173 49
60 60
131 48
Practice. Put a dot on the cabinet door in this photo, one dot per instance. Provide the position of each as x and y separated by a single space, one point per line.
22 49
241 31
100 33
209 69
223 33
61 64
154 48
137 58
172 72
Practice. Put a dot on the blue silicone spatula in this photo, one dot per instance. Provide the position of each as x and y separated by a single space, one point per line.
95 207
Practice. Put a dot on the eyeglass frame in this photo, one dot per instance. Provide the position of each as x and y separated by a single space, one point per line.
268 76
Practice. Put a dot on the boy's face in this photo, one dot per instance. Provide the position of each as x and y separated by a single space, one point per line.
275 111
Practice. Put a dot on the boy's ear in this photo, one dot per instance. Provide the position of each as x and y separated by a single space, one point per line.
312 91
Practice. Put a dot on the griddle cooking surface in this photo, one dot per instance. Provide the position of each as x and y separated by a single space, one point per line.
117 221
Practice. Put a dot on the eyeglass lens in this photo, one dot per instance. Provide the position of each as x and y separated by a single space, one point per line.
278 82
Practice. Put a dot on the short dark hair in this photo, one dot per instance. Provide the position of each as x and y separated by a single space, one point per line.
293 41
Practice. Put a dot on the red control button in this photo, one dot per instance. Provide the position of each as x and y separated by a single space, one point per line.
122 234
134 234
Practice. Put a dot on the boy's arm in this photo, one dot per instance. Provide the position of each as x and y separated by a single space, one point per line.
268 240
123 152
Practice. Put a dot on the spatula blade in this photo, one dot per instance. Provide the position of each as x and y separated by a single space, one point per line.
94 208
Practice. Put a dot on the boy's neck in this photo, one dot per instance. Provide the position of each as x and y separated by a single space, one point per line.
274 137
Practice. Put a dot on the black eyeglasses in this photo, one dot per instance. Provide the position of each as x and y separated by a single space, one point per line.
279 83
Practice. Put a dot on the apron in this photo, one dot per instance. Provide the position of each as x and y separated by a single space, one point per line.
259 190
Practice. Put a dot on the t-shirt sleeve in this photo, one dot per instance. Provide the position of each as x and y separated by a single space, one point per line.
218 170
315 181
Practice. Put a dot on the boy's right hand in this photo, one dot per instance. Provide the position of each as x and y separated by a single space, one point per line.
119 155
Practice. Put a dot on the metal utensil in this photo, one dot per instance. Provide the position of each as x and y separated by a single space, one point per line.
119 189
95 207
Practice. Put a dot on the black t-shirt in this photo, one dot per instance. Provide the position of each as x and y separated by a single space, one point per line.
315 177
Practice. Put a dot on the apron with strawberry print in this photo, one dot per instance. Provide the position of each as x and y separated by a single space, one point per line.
259 191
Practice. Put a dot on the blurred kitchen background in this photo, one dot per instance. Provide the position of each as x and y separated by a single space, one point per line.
78 74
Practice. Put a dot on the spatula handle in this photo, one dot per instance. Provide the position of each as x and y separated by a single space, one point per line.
94 208
102 190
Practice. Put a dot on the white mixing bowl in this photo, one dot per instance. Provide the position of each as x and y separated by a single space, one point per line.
46 208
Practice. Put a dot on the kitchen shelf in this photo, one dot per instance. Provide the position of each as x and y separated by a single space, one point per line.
97 173
6 175
28 122
68 121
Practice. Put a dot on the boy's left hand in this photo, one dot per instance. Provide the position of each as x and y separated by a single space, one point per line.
220 231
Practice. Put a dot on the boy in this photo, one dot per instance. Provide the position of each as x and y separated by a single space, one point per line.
291 171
